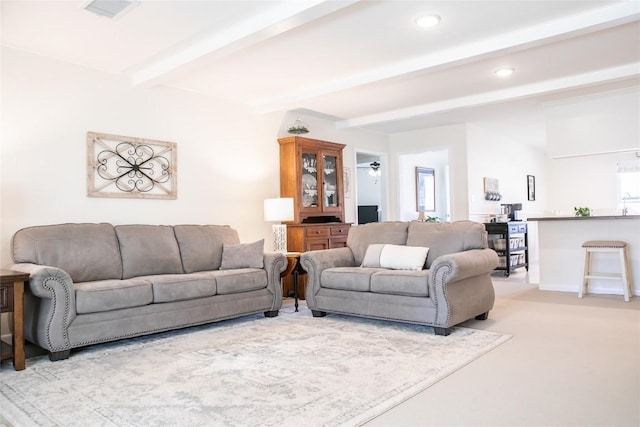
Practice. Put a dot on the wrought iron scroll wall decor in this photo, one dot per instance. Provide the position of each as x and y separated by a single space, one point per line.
122 166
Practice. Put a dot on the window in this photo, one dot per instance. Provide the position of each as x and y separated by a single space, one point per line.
629 186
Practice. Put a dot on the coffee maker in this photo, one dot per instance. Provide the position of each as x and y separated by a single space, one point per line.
512 210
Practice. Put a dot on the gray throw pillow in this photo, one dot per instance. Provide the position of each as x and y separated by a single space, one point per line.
244 255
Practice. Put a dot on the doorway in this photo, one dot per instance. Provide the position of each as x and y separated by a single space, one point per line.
371 171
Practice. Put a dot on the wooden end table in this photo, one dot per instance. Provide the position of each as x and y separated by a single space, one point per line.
12 299
294 267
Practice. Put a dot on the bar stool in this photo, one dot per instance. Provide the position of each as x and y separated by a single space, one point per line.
606 246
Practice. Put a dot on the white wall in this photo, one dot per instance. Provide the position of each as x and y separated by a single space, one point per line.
592 124
228 156
492 154
369 188
439 162
452 138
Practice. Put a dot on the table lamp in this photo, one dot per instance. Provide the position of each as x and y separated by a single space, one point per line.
276 210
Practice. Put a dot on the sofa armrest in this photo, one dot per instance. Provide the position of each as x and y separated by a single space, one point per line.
50 306
462 265
315 262
460 282
274 264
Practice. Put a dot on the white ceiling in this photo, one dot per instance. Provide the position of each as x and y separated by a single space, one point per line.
364 63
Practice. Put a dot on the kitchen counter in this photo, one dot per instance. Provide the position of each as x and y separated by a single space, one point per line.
583 218
561 256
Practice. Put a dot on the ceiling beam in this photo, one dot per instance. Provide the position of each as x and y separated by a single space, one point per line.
510 94
283 17
547 32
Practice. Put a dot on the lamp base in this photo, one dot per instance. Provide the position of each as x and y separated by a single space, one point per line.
280 238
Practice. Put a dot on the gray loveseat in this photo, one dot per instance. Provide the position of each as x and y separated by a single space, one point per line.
454 284
92 283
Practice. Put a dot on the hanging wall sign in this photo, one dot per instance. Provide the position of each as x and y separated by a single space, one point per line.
123 166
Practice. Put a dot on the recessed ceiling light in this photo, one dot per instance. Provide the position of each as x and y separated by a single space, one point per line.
504 72
428 21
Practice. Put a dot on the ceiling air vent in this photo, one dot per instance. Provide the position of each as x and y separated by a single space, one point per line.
110 8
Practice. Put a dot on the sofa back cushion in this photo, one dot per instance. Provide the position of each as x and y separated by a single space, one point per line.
447 237
148 249
87 252
360 237
201 245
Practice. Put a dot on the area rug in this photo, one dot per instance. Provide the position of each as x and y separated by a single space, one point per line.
291 370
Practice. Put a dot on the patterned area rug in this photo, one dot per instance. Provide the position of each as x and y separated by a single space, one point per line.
291 370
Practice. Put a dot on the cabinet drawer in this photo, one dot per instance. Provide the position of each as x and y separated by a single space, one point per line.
338 242
517 228
342 230
317 232
317 244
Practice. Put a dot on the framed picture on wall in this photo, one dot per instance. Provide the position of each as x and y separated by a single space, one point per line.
130 167
531 187
425 189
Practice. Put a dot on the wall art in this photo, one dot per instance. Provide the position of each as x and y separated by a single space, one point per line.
531 187
347 182
492 189
123 166
425 189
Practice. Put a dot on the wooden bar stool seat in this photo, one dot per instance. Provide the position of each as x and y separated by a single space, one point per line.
604 246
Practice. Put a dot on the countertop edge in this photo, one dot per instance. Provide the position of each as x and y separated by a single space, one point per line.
584 218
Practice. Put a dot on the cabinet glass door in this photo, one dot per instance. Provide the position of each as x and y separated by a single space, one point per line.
330 181
309 180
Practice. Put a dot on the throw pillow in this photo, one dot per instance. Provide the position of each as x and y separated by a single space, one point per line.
244 255
372 256
395 257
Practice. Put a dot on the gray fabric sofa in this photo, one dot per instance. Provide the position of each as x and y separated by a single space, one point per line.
93 283
454 284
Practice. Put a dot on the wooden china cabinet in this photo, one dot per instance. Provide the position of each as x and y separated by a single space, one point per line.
311 173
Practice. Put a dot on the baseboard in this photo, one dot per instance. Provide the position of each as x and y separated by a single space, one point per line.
593 289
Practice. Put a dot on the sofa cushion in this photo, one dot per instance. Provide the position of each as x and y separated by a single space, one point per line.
177 287
362 236
395 257
201 245
446 238
244 255
348 278
148 250
87 252
107 295
239 280
401 282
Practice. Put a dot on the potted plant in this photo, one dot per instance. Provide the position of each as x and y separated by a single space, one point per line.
582 211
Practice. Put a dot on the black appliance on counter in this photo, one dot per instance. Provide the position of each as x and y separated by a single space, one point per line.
512 210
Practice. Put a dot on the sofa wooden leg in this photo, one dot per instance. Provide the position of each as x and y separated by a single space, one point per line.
54 356
483 316
317 313
272 313
443 331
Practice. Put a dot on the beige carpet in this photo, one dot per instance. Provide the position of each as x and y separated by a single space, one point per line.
290 370
571 362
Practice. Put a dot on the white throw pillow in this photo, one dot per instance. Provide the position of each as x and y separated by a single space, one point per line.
395 257
372 256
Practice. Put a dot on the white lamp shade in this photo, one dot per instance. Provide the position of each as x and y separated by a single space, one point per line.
280 209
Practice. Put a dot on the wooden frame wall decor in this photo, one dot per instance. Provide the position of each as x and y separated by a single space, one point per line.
425 189
531 187
123 166
347 182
